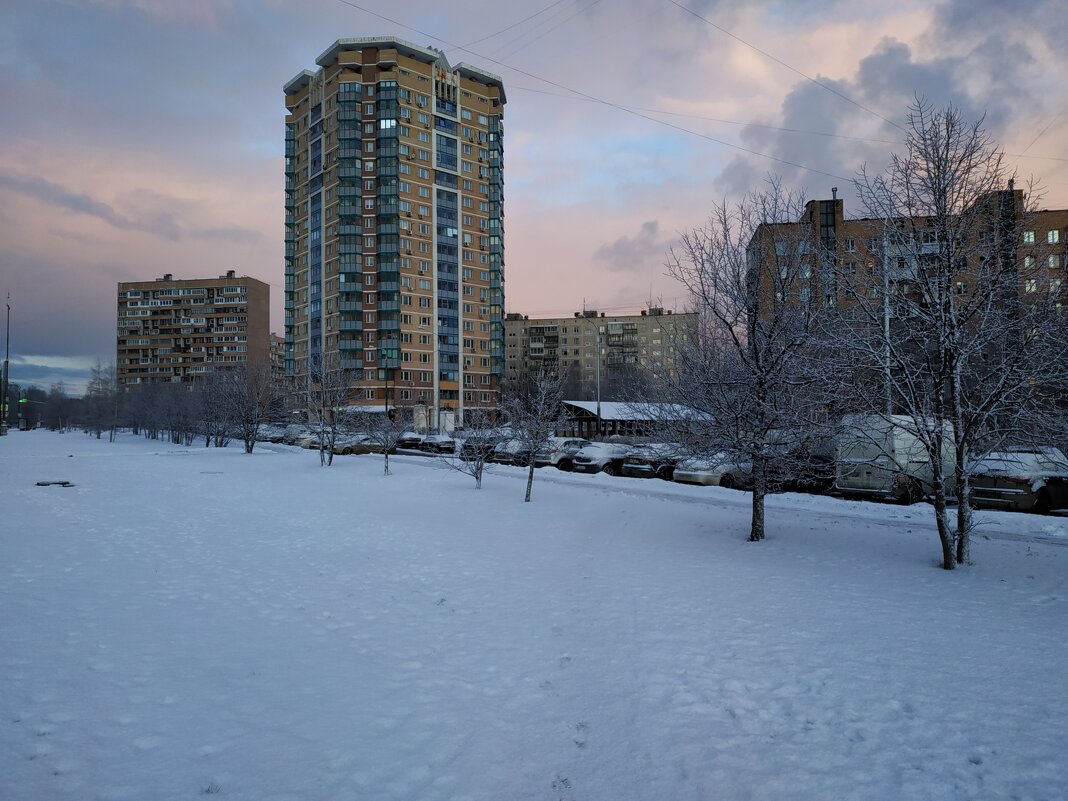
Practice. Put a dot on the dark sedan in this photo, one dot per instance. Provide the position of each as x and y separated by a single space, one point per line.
1031 480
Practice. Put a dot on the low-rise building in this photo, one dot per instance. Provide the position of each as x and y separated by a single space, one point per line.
597 349
177 330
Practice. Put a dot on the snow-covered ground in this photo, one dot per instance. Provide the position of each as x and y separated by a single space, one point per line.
185 621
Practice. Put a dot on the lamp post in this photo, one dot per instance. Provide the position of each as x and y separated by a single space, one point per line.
7 353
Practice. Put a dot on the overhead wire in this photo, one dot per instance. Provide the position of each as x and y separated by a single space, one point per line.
580 10
514 87
582 94
779 61
515 24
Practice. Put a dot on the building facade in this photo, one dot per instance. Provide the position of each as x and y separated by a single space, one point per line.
394 236
176 330
842 257
612 352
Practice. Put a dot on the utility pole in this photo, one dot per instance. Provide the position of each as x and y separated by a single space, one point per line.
7 353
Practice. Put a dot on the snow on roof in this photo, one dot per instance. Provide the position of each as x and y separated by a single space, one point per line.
618 410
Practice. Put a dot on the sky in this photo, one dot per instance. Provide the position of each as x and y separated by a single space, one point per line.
143 137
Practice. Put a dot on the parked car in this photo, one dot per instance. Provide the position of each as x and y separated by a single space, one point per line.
438 443
351 444
652 461
309 440
601 457
482 447
1025 480
294 433
410 440
560 452
883 456
271 432
808 467
722 469
512 451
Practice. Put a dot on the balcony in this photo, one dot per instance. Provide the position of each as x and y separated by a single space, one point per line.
350 325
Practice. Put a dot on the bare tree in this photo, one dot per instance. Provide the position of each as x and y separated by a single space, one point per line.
327 390
385 429
480 436
58 407
534 407
100 403
758 280
961 334
217 408
251 398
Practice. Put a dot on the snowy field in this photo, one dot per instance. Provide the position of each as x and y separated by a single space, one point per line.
186 622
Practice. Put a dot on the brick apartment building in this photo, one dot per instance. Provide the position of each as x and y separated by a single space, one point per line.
394 224
177 330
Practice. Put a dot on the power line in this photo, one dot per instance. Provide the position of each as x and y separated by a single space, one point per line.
1040 134
779 61
514 24
720 120
579 93
580 10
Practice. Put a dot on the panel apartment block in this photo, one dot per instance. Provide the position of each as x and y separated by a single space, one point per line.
619 347
394 236
179 329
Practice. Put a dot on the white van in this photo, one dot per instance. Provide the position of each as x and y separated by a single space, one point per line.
882 456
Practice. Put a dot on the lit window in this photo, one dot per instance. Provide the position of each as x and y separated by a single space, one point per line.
1053 237
1029 237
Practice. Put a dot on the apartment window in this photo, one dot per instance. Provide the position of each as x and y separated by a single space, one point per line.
850 245
962 288
1053 261
1053 237
1029 237
1030 285
1029 262
873 243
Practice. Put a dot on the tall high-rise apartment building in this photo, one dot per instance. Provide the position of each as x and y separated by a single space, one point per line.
394 204
179 329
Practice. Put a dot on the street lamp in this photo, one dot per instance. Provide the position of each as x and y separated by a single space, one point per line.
7 352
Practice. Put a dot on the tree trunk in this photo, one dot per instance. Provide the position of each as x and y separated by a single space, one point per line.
945 533
530 479
385 472
756 531
964 519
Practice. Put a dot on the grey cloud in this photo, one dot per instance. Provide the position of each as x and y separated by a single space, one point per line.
156 214
56 195
231 233
970 51
628 254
